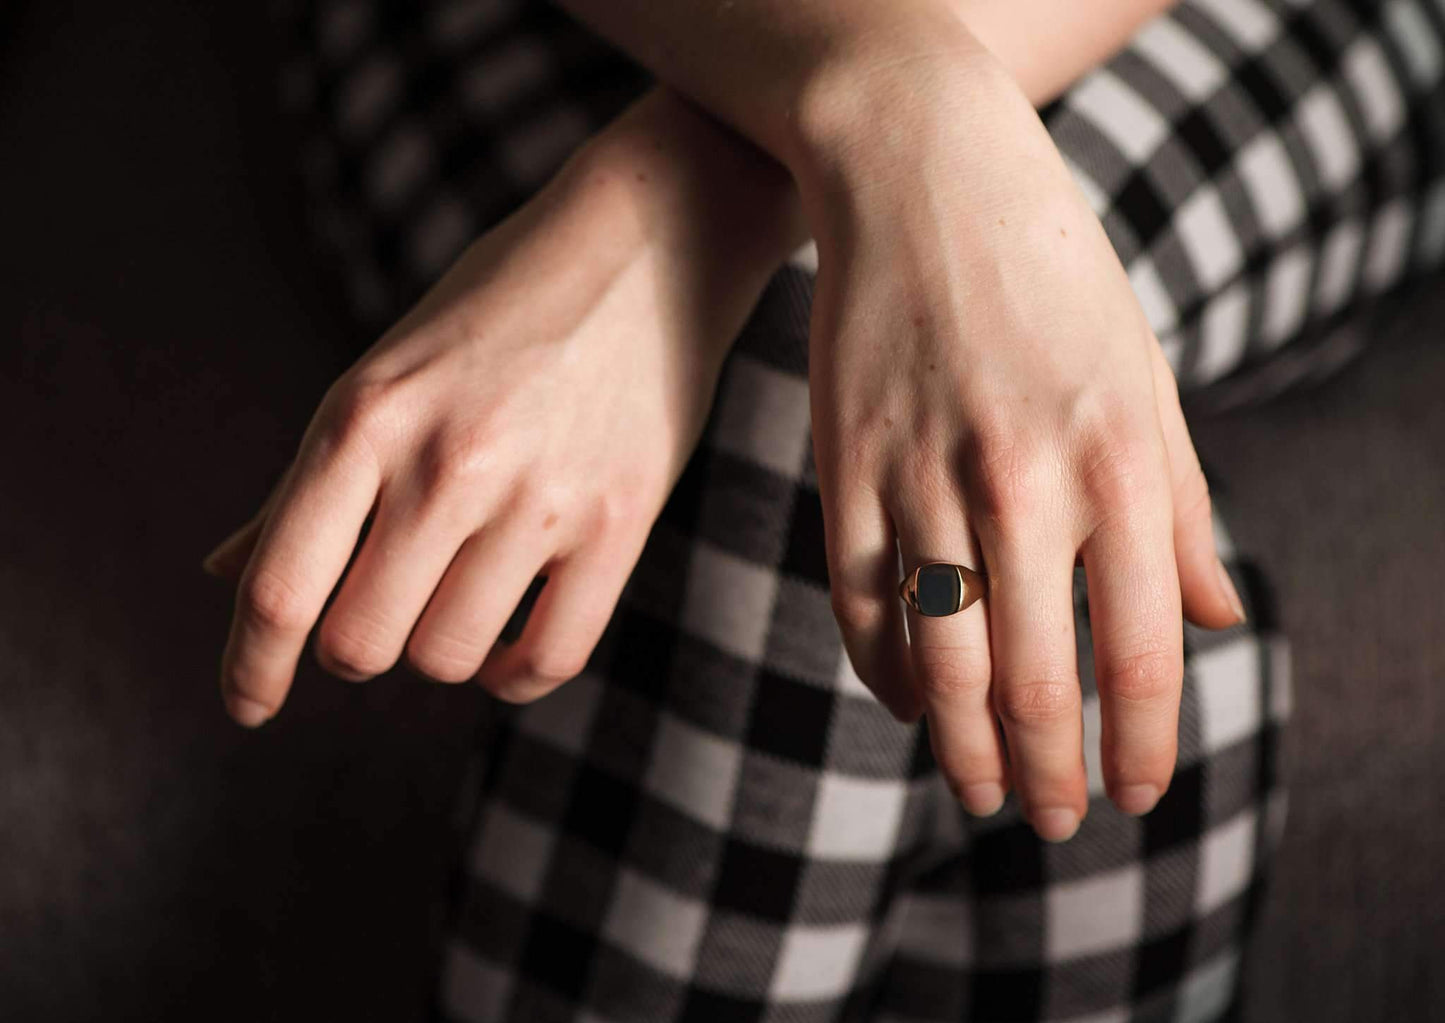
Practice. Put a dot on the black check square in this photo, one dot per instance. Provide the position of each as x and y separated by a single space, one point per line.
790 719
757 882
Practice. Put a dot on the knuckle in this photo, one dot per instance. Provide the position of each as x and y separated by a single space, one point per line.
252 688
443 659
537 674
547 500
1193 500
1008 474
615 509
553 667
952 671
1144 676
1041 701
964 768
351 652
359 410
273 603
1117 470
456 458
854 610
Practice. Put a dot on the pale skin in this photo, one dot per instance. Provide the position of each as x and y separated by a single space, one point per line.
985 389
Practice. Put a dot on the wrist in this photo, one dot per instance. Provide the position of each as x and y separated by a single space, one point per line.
697 184
710 215
873 114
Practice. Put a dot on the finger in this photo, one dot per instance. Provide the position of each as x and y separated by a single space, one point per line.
951 661
1035 685
1209 597
302 550
1138 639
567 621
476 597
862 555
228 558
417 531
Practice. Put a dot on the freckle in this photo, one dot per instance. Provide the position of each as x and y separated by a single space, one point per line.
887 421
933 365
1000 221
1063 233
549 521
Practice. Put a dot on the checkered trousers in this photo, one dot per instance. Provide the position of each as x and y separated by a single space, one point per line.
716 821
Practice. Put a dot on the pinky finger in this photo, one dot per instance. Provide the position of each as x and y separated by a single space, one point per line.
565 624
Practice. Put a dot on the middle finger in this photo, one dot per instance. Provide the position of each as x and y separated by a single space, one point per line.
1035 669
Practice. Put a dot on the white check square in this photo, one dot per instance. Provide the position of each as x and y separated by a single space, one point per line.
1208 238
1226 860
1094 914
660 927
856 818
818 962
694 771
1227 679
728 601
512 852
1120 113
763 416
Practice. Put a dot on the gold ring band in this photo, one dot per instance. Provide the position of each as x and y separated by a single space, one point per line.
940 588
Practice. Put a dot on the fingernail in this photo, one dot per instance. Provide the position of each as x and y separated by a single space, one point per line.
1056 824
1136 799
246 712
211 562
983 799
1230 592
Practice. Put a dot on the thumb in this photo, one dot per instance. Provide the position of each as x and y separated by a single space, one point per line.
1209 597
228 558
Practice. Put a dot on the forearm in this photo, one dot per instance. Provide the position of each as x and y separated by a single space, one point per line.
758 64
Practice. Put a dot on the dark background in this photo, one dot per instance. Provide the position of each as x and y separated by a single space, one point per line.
166 336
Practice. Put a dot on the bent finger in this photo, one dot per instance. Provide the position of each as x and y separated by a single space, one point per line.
477 596
1036 691
301 552
564 626
1209 597
952 664
1137 628
863 576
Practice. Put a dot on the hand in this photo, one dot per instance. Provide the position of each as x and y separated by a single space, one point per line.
529 416
986 387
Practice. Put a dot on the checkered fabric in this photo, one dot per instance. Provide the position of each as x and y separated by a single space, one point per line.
716 821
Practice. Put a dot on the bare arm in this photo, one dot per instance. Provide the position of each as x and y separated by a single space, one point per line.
755 63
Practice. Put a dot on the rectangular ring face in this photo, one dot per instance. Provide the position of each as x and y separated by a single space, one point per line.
940 590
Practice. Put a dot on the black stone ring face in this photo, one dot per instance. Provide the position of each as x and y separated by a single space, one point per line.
941 588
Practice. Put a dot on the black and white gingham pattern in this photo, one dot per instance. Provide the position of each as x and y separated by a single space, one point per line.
716 821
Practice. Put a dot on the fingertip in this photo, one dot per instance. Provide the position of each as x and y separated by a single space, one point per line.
1231 594
246 712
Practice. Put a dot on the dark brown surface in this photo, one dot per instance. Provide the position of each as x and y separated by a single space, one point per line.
167 339
166 343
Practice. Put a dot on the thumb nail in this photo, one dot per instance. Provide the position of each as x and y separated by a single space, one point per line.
212 562
1230 593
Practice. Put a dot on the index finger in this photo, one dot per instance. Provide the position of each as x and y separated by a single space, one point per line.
302 551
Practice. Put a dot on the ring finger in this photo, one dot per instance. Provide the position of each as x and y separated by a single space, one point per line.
951 659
